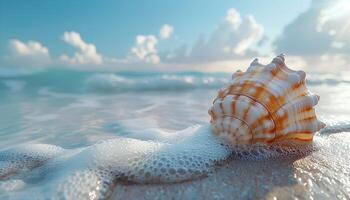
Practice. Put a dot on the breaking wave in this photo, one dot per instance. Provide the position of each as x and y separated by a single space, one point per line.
81 81
117 83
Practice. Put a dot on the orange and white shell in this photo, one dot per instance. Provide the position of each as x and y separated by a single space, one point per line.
267 104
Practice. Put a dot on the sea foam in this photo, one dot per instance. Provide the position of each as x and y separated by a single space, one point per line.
92 171
26 157
77 173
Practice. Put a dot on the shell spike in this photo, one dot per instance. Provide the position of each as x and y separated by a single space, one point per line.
279 60
282 57
237 73
302 75
318 97
255 65
255 62
322 124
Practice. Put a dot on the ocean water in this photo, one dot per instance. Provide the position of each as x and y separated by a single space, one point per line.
91 135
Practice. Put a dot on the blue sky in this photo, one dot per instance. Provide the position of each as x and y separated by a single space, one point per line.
104 33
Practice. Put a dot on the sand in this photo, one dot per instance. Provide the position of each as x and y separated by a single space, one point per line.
319 175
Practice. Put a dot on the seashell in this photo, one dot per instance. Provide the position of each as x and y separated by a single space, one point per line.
267 104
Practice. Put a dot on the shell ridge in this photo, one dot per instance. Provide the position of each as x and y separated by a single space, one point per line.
250 130
266 108
220 102
253 99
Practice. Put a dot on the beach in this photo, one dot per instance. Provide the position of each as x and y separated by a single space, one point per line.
85 120
320 175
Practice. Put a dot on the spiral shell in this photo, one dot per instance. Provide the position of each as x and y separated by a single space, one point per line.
267 104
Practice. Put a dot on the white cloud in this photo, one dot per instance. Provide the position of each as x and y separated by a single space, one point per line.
233 17
31 53
145 49
320 36
87 52
234 40
166 31
235 37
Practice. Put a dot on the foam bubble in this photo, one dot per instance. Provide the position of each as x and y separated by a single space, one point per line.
91 172
25 157
274 152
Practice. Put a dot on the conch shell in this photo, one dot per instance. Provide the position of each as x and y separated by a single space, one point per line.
267 104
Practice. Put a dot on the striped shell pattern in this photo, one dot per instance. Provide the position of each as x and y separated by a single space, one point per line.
267 104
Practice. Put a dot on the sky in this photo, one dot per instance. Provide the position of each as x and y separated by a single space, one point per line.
197 35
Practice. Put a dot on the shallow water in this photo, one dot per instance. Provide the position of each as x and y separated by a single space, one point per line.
91 135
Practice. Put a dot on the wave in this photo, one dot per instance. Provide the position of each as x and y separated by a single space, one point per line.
78 81
117 83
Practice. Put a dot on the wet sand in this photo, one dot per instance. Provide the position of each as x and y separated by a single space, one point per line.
320 175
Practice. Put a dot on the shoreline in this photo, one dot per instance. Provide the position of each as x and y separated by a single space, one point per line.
301 178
